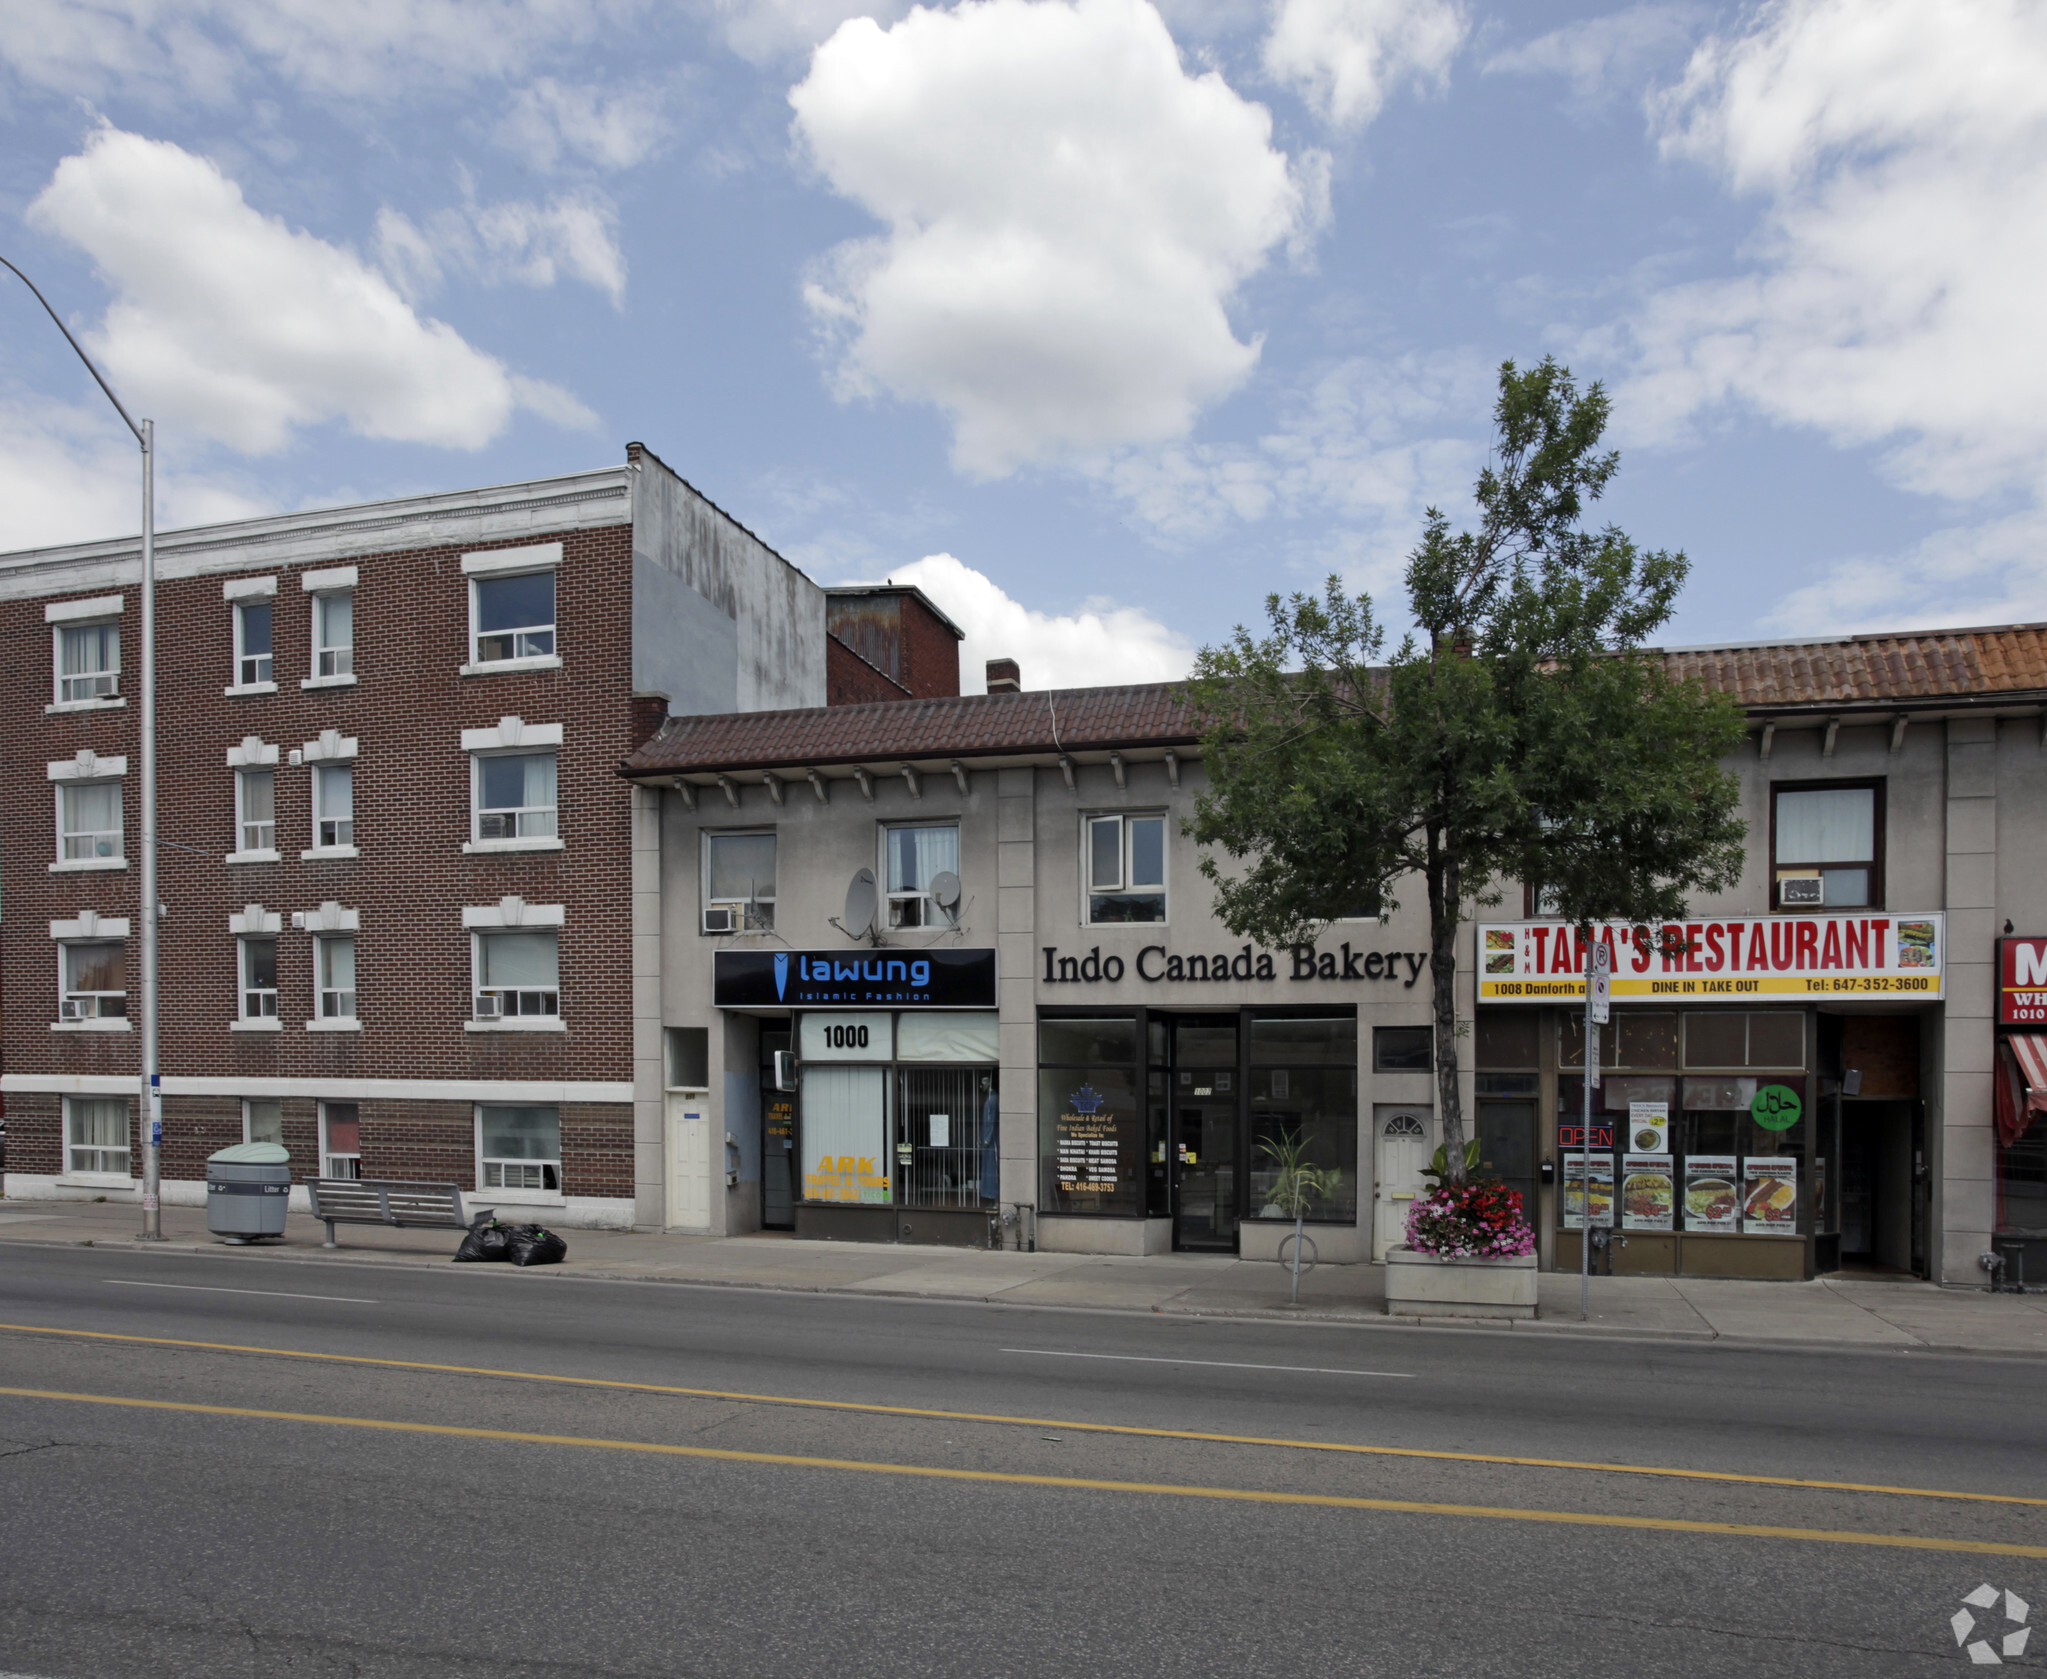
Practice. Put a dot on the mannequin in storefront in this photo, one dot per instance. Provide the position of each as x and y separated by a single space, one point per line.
991 1154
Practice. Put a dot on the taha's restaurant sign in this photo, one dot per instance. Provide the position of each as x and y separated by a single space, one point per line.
1724 961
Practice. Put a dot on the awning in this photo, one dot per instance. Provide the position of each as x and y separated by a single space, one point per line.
2021 1085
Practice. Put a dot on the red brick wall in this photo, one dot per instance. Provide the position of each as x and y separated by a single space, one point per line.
850 680
931 652
411 817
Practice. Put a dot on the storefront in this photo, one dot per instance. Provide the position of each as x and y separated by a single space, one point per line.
2020 1240
1740 1126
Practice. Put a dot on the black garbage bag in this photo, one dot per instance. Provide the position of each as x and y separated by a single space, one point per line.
487 1239
529 1244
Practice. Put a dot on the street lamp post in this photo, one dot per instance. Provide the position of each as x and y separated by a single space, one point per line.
152 1091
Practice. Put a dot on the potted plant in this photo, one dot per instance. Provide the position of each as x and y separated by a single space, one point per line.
1469 1249
1296 1186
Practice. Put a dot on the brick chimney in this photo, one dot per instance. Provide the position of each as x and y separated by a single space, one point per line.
1004 677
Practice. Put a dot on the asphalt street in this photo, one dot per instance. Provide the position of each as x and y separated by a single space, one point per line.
504 1473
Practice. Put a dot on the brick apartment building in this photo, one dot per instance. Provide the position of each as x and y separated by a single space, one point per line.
402 881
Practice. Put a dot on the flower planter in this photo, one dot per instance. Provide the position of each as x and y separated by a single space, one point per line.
1420 1285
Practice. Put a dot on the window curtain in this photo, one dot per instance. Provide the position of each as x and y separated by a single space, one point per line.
521 1133
1827 825
519 959
918 855
522 783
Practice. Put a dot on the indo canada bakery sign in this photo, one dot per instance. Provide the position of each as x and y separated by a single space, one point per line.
1720 961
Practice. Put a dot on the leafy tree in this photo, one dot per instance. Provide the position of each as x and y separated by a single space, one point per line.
1521 732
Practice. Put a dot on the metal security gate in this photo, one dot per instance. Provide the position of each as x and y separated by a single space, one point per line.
938 1136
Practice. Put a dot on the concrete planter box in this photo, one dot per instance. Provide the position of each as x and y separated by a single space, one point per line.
1419 1285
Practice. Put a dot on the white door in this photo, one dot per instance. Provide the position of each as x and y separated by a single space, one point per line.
1400 1149
689 1163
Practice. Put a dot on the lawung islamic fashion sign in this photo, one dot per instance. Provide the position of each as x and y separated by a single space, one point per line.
1720 961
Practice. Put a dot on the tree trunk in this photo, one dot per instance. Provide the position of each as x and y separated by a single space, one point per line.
1446 903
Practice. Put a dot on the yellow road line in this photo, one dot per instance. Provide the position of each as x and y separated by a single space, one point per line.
1718 1475
1238 1495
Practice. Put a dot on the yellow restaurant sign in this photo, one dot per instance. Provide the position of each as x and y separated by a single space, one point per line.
1720 961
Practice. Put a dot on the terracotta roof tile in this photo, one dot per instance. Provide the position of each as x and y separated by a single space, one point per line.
1919 668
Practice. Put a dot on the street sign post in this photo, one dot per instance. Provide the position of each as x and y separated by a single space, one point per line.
1598 1012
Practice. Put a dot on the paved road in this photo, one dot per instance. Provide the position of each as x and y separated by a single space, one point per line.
732 1530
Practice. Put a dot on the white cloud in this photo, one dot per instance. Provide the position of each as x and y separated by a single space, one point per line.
1101 645
551 121
517 240
233 324
1603 55
69 475
1069 214
359 49
1362 451
1346 56
1901 151
1989 573
764 31
1900 154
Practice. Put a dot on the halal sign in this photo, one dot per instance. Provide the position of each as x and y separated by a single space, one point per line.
2022 981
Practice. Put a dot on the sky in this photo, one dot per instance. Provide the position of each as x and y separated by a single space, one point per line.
1099 319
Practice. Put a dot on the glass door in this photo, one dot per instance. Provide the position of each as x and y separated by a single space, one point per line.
1206 1135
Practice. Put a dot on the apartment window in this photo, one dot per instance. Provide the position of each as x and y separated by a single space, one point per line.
1126 868
517 974
253 663
263 1121
519 1148
1826 845
258 957
515 796
256 810
95 977
96 1134
334 972
340 1140
739 883
1403 1049
916 858
513 617
334 634
88 661
333 805
89 821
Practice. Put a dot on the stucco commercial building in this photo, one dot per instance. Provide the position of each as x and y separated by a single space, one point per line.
1041 1033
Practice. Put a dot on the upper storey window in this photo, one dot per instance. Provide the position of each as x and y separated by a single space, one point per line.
254 658
88 661
512 608
1826 844
1126 868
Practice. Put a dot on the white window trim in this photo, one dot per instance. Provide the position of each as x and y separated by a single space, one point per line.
333 747
347 681
330 917
514 1197
331 581
341 580
243 592
254 923
881 877
88 765
512 735
350 925
63 784
330 748
510 914
257 854
252 754
513 914
238 690
327 1154
1088 889
91 928
256 1023
77 611
511 562
91 702
248 588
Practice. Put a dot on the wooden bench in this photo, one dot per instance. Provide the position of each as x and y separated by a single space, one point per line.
404 1206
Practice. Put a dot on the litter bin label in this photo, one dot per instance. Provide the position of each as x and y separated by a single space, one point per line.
248 1188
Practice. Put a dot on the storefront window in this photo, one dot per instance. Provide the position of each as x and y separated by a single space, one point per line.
2022 1186
1091 1120
1304 1100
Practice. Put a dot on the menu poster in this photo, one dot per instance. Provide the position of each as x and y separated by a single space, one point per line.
1648 1192
1649 1127
1769 1195
1574 1191
1712 1192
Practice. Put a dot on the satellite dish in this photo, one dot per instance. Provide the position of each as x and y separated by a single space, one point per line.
945 890
861 900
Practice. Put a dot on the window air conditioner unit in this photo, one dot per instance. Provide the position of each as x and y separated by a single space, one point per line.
488 1007
718 918
1801 889
72 1008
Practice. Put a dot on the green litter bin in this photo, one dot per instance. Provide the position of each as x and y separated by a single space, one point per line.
247 1190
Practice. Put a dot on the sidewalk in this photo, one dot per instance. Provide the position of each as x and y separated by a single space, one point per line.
1872 1313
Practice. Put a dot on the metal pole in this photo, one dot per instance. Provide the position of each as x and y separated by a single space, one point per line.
1585 1163
151 1123
152 1087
